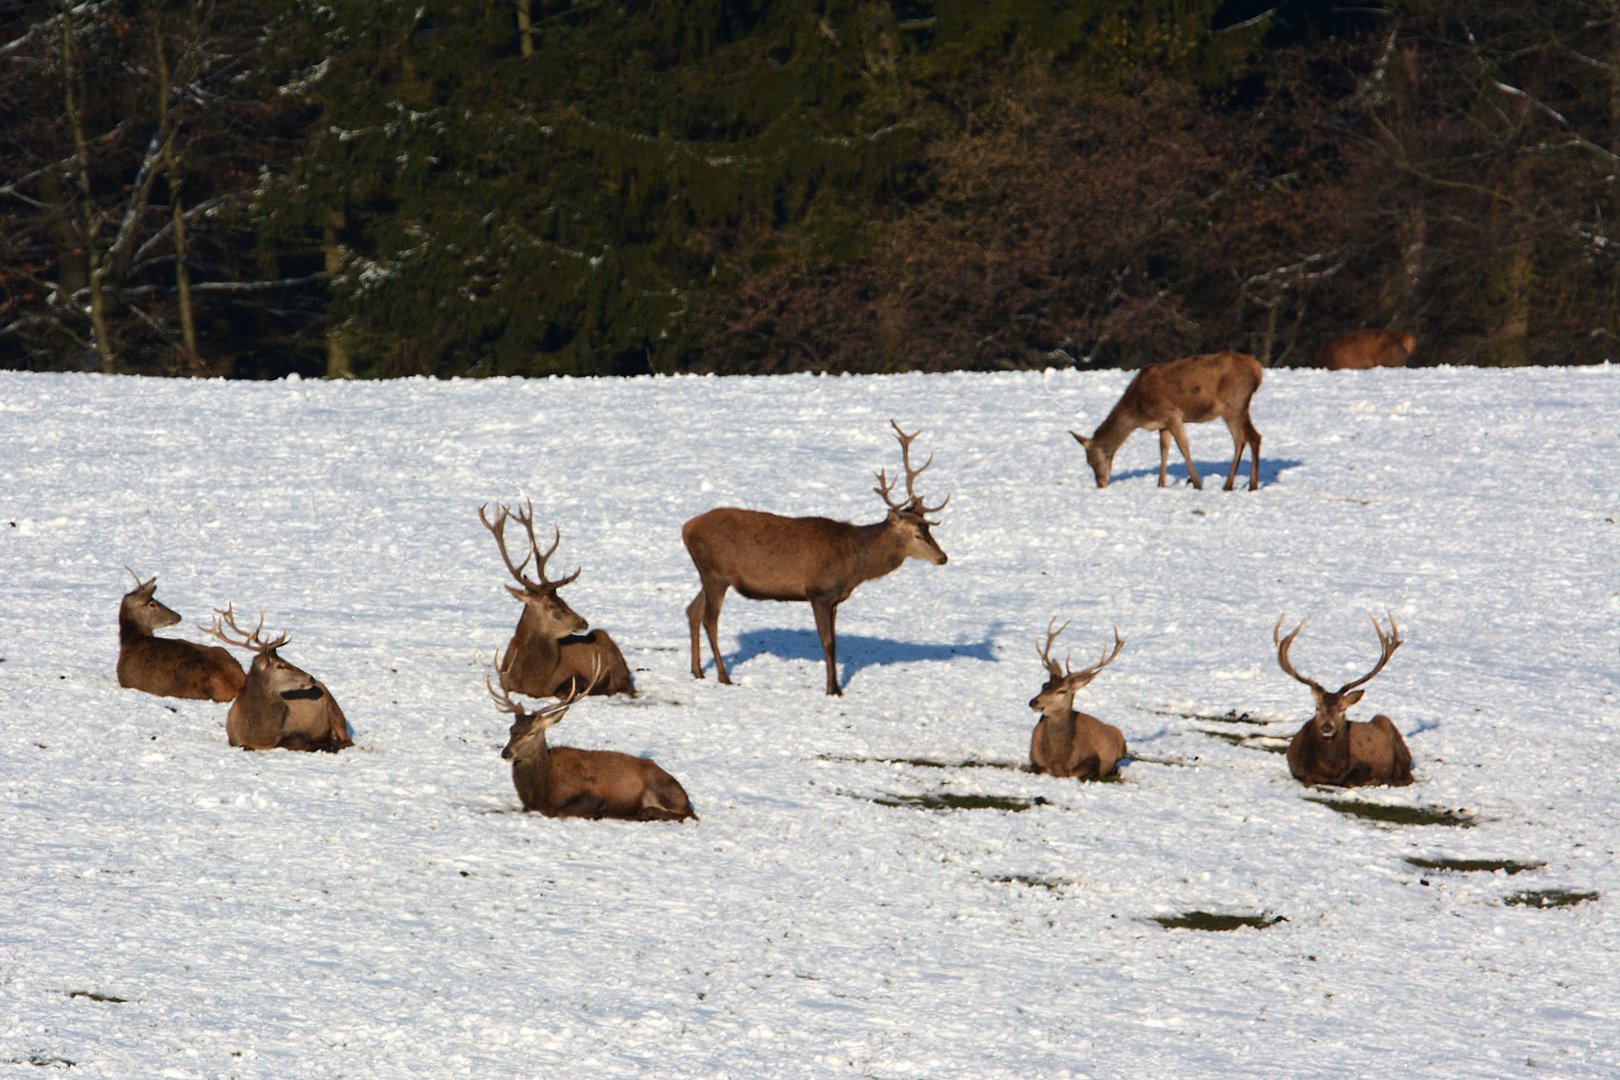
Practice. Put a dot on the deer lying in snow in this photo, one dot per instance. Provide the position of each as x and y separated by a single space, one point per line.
550 653
1346 753
1066 742
1165 396
1361 349
281 705
169 667
561 781
770 557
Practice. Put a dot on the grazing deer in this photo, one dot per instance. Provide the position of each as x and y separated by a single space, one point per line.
561 781
769 557
281 705
1192 390
1346 753
550 653
1065 742
169 667
1361 349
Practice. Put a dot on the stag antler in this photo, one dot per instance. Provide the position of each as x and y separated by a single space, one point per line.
1045 651
526 519
914 503
244 639
1387 644
503 699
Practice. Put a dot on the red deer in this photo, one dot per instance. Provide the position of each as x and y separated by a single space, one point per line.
1192 390
550 653
281 705
1066 742
1346 753
560 781
169 667
1361 349
769 557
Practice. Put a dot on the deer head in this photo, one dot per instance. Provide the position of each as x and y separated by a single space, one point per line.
269 673
1057 696
526 738
910 517
1331 707
142 610
556 618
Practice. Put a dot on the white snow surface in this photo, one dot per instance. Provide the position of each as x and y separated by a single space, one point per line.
174 907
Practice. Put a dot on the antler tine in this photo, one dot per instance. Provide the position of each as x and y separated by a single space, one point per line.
138 582
560 708
1282 644
1045 651
503 700
885 488
526 519
1386 649
245 639
1107 657
498 530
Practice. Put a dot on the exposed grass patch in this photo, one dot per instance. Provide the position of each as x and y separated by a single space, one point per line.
1230 716
1033 881
928 763
1397 815
1548 898
1216 923
1269 743
93 996
1475 866
943 800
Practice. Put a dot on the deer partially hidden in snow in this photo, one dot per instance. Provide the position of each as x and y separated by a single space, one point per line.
561 781
1361 349
1066 742
551 653
281 705
169 667
770 557
1164 397
1338 752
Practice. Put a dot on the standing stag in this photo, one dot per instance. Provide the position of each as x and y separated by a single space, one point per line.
550 654
561 781
1346 753
281 705
769 557
1192 390
169 667
1066 742
1361 349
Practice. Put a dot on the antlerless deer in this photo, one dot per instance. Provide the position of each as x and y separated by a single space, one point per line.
281 705
169 667
1362 349
1192 390
1346 753
770 557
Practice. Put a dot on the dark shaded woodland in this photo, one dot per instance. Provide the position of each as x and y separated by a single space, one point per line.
376 188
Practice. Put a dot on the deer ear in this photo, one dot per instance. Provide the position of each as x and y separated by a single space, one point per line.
1352 697
1081 439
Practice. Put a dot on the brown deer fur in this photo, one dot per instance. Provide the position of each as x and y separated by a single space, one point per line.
770 557
1065 742
562 781
1361 349
1164 397
1334 751
169 667
282 705
550 652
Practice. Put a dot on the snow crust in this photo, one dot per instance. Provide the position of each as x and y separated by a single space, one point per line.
174 907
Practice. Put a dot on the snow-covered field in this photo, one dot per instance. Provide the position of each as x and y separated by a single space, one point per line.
173 907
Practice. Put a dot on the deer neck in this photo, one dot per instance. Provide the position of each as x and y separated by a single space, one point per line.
1322 757
533 653
130 630
879 550
532 778
259 714
1117 426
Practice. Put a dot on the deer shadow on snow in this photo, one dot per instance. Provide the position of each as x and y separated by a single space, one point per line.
1176 474
856 652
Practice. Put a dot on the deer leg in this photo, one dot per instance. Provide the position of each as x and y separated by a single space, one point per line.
1180 434
694 613
826 622
713 595
1234 425
1164 453
1253 435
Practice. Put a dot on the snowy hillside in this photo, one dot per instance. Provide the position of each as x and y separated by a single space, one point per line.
876 887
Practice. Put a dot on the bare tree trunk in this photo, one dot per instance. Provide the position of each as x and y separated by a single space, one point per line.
338 365
525 28
171 164
87 210
1508 345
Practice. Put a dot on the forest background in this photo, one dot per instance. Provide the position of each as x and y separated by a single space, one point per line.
373 188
